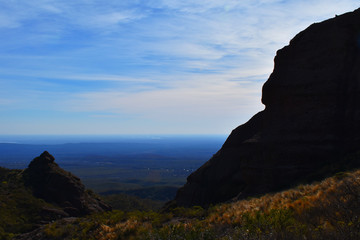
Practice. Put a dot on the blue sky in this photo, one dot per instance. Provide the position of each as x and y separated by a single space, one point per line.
142 67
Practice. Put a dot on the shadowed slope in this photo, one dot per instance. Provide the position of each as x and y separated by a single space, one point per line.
310 125
55 185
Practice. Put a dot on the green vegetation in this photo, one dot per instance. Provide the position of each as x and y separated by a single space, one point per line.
20 211
128 203
325 210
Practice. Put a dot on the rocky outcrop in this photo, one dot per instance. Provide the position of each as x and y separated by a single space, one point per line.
310 126
55 185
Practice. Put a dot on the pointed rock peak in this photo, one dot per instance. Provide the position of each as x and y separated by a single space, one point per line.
47 156
44 159
58 186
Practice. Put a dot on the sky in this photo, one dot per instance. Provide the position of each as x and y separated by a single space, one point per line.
143 67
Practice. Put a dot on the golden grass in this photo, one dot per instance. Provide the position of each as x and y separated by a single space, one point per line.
331 196
329 209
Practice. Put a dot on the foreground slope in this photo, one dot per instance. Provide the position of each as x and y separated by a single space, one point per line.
309 129
326 210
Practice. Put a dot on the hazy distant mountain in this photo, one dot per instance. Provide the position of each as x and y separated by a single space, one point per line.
309 129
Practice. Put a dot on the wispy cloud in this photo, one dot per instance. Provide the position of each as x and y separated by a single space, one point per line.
165 62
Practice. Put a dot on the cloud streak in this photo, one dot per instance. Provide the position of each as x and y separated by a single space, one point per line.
163 62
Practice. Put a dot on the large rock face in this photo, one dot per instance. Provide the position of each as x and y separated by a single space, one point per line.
310 125
55 185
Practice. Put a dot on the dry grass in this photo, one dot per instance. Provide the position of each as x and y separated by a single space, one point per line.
330 208
326 210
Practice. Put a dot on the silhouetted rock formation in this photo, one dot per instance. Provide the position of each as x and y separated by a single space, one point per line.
310 125
55 185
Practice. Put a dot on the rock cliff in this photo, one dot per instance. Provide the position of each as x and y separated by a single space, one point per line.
310 126
55 185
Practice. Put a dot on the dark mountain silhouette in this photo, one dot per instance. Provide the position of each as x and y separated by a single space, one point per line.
310 127
40 194
57 186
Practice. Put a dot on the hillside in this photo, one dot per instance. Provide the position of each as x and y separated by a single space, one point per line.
42 193
20 211
325 210
55 185
309 129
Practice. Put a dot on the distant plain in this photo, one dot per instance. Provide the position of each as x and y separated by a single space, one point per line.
148 166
